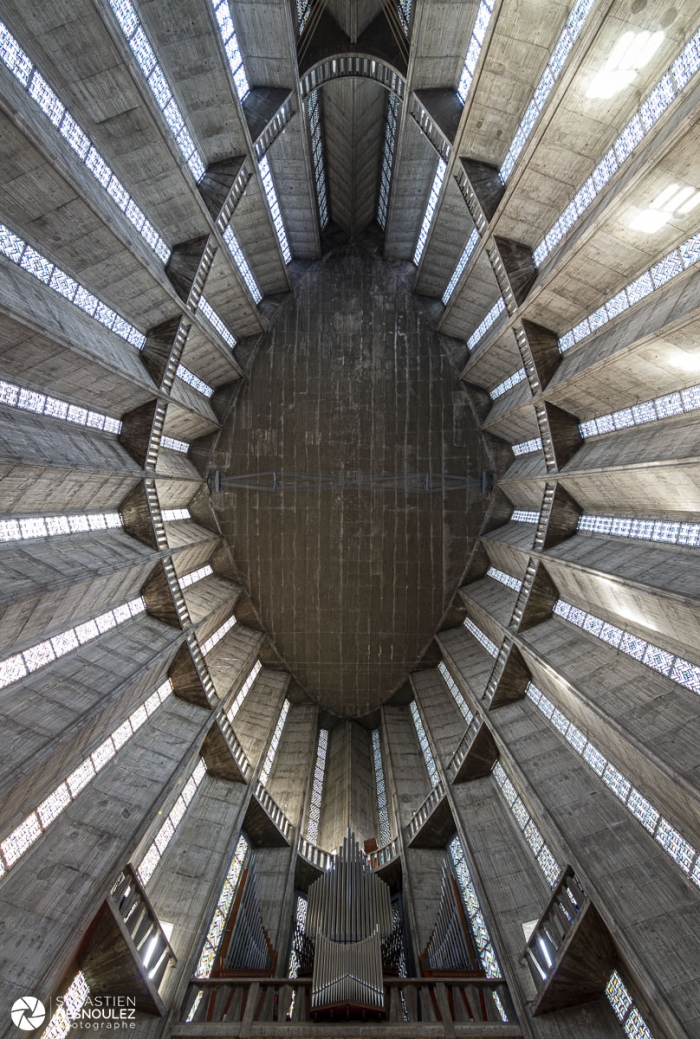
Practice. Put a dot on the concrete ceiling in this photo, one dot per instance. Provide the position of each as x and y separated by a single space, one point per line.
351 379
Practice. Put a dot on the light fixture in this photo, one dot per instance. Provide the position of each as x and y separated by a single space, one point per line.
632 52
674 200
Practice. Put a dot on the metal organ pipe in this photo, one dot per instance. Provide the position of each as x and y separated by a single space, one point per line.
349 911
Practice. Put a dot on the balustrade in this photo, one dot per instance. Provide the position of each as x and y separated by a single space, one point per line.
570 952
462 1005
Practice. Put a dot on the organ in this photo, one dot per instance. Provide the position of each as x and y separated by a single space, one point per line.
348 916
450 948
245 949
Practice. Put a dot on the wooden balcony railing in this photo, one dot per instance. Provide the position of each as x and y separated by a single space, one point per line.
570 952
476 753
273 812
425 811
270 1007
141 922
316 856
383 856
126 952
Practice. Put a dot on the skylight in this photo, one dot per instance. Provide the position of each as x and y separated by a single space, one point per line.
632 52
17 250
668 87
673 264
39 90
272 202
22 664
674 200
562 48
38 821
167 831
26 527
430 210
40 404
160 88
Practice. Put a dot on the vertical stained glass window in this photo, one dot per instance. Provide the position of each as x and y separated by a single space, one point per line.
303 12
167 830
156 80
625 1010
243 691
470 899
430 209
274 207
424 745
380 783
452 686
317 788
404 11
536 842
39 90
562 48
312 108
471 59
274 744
222 12
392 118
212 941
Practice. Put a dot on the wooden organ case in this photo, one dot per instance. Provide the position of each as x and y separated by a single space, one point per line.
245 949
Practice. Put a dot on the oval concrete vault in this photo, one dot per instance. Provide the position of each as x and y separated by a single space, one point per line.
351 469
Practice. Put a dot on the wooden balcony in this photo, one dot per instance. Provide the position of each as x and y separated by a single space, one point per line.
433 824
570 952
476 754
265 822
223 754
126 952
449 1007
